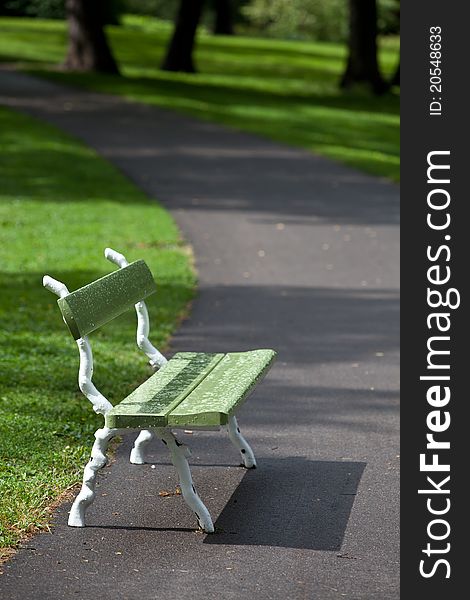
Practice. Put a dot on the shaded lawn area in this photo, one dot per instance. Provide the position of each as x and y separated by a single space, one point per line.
60 206
285 90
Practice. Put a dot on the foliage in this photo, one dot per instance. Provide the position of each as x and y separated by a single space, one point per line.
164 9
55 9
167 10
313 19
60 205
305 19
48 9
388 17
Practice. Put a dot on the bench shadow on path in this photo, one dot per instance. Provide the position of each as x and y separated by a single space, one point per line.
288 502
291 503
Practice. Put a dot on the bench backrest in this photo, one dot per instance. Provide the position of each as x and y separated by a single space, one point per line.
97 303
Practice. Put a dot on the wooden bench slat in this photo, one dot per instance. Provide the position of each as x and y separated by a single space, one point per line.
97 303
223 390
150 403
193 390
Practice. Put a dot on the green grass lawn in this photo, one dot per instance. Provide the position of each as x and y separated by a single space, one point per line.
286 90
60 206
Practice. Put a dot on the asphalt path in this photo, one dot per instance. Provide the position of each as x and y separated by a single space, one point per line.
293 252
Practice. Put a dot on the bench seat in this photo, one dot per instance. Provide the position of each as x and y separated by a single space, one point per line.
194 389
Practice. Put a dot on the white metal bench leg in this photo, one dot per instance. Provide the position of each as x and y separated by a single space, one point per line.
138 451
97 461
179 454
240 443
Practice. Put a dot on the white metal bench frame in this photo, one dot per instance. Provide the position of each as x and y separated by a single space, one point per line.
101 405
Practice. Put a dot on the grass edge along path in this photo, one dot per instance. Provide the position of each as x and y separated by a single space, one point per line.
60 206
281 89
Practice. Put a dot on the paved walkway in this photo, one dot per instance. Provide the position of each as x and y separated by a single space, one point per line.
296 253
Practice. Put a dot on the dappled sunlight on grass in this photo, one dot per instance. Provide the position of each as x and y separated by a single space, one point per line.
60 206
285 90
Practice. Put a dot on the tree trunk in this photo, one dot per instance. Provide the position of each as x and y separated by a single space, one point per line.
396 77
179 56
223 24
362 63
88 48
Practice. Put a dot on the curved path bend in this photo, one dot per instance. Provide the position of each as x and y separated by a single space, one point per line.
296 253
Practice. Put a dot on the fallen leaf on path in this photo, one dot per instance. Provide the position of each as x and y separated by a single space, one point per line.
165 494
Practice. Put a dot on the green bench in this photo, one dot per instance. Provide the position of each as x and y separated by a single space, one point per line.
192 390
